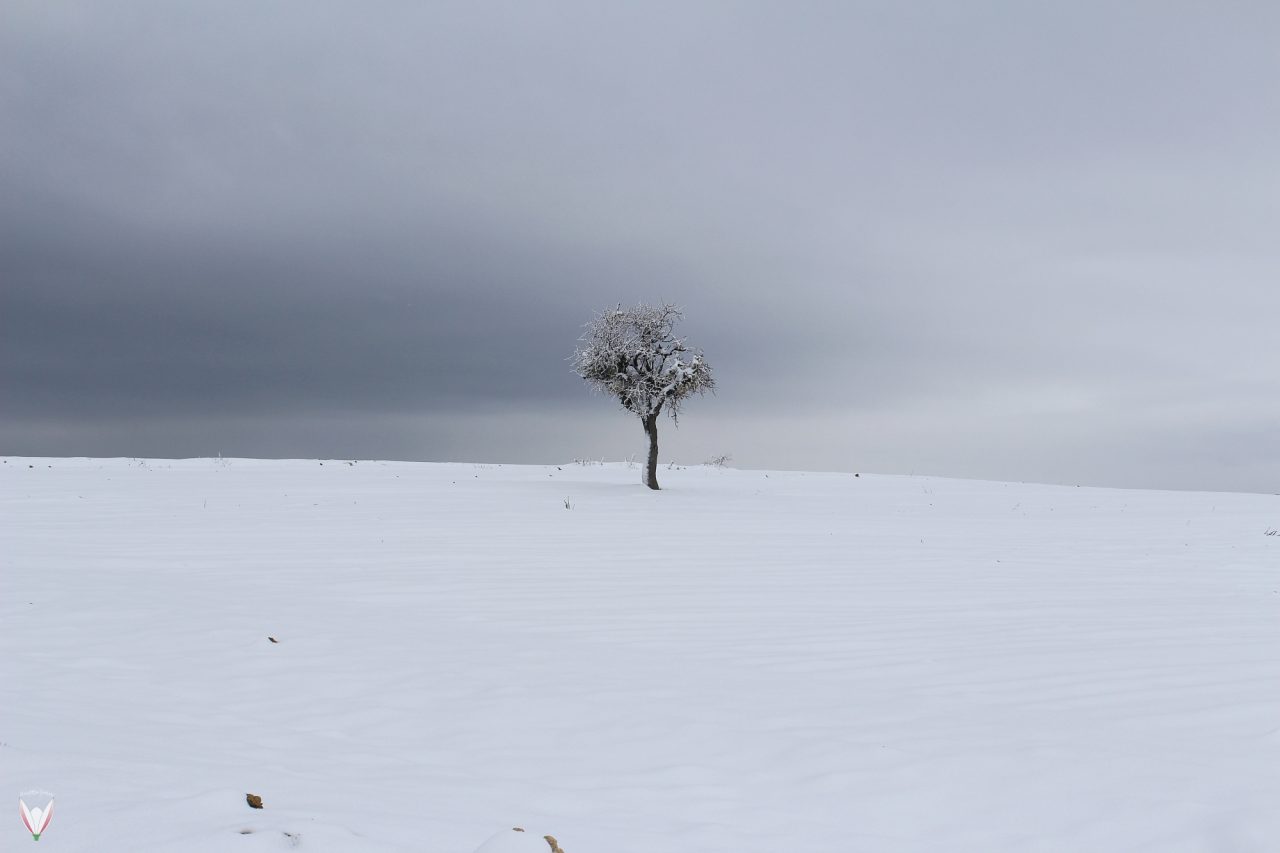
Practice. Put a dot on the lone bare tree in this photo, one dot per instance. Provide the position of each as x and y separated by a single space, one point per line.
634 355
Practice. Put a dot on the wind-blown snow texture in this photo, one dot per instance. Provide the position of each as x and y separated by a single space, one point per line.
741 662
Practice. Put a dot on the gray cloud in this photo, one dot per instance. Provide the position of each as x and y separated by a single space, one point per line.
992 240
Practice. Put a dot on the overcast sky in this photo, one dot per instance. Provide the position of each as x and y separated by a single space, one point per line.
1019 241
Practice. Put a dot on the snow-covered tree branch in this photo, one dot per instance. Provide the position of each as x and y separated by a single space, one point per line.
634 356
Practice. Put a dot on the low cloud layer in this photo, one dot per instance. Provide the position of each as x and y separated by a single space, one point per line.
991 241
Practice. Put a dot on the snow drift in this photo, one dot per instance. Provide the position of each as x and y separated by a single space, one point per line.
745 661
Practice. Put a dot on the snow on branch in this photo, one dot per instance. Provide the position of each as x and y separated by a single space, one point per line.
635 356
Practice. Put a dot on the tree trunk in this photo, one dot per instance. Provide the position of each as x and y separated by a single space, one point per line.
651 430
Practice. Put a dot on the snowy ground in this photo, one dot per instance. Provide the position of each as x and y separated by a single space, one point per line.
743 662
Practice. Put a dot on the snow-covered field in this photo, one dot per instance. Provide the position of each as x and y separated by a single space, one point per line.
745 661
